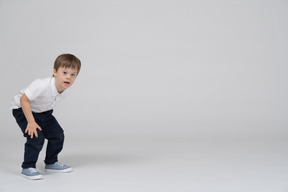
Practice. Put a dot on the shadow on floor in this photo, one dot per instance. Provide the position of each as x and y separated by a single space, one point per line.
83 160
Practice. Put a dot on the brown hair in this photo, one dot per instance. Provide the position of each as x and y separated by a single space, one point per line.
67 61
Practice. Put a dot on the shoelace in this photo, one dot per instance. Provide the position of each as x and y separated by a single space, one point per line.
32 170
59 164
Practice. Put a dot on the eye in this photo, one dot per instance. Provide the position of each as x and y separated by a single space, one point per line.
73 74
65 73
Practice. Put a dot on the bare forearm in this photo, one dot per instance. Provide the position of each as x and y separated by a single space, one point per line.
32 126
26 107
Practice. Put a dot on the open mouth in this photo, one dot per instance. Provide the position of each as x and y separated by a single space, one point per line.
67 83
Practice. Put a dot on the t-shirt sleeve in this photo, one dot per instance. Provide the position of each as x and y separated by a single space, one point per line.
34 90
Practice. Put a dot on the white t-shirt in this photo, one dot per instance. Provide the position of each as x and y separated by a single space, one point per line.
43 95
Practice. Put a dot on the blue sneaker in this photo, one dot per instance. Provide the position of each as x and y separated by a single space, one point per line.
58 167
31 173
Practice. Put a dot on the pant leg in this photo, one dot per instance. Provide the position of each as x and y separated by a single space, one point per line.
55 136
32 146
32 150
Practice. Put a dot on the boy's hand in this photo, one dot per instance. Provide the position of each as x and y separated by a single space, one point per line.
32 129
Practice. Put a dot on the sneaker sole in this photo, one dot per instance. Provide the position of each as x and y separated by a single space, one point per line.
35 177
59 170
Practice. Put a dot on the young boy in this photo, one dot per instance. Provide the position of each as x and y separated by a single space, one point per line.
33 107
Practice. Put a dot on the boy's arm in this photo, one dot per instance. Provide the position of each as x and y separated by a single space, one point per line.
32 126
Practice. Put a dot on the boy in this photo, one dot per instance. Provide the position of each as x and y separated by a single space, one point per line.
33 107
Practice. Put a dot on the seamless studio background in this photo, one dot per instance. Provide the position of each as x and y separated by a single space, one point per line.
165 77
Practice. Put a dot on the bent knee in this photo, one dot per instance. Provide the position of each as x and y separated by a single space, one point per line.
37 140
60 136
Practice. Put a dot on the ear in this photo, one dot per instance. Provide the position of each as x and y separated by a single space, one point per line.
54 72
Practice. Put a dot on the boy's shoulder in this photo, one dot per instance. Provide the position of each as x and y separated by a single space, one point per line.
42 82
38 87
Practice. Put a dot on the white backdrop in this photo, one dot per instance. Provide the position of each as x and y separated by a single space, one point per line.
163 67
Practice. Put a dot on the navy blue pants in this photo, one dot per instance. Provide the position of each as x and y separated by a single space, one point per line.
51 130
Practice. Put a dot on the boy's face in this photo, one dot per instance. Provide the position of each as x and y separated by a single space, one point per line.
64 78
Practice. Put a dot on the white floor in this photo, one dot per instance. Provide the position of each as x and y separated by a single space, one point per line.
156 165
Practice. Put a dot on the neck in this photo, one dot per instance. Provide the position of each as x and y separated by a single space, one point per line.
59 89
